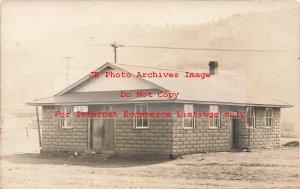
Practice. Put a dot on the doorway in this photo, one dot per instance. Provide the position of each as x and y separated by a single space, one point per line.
102 130
235 133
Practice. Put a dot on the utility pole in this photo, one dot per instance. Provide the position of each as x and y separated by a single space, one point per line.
38 126
67 58
115 46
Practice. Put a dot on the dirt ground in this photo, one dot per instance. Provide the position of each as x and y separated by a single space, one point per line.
14 141
269 168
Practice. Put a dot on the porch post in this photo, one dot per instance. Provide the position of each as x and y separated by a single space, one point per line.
89 134
38 126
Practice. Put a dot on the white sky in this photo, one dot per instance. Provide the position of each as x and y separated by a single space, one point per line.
34 20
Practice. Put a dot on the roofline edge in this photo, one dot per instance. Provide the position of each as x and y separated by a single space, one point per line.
160 101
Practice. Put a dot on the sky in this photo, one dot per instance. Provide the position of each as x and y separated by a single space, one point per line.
35 20
36 35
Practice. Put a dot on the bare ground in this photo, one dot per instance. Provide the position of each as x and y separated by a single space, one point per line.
269 168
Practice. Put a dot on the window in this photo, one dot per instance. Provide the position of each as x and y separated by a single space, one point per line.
214 122
250 121
140 121
66 122
269 117
188 122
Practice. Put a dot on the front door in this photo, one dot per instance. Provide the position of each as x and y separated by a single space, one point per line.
235 133
102 129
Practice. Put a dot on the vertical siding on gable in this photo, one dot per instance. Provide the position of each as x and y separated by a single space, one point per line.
104 83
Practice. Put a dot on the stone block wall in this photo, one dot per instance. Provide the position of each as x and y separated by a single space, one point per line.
165 136
260 136
56 139
202 137
155 140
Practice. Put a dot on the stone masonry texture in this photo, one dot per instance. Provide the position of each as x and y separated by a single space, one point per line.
165 136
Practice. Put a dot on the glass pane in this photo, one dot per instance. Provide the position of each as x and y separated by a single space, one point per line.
213 108
188 122
144 108
185 108
249 121
213 122
138 108
188 108
69 121
191 108
145 122
62 122
138 121
250 112
269 122
269 112
65 122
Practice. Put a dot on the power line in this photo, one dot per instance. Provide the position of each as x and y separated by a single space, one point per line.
115 45
172 48
204 49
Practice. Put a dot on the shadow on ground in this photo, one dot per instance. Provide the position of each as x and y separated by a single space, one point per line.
66 159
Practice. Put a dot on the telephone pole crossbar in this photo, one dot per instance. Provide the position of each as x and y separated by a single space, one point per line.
67 58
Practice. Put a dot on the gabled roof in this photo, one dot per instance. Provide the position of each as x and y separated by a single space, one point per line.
223 88
87 77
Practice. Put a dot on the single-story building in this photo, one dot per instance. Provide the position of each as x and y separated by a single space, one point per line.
134 110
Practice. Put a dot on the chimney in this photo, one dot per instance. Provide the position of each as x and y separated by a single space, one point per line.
213 67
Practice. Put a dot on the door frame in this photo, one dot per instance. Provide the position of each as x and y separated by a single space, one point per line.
90 134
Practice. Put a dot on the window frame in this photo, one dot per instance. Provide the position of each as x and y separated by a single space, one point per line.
135 118
272 118
63 121
193 119
216 120
253 117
